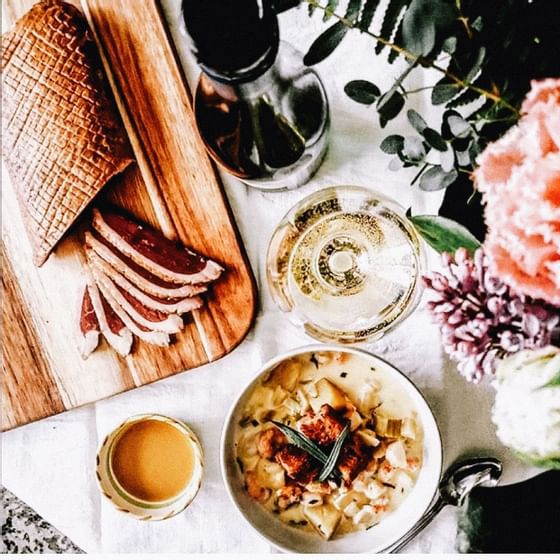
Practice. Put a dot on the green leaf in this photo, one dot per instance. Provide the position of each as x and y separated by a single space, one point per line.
434 139
396 164
329 466
419 30
392 144
443 92
389 106
418 123
331 6
362 91
390 21
368 13
477 24
353 10
325 44
449 45
554 382
398 40
414 149
447 159
459 127
476 66
444 235
445 130
303 442
424 22
436 178
468 95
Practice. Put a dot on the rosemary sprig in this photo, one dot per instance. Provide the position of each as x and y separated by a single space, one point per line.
329 466
303 442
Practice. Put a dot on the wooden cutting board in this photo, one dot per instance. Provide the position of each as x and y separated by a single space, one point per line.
173 186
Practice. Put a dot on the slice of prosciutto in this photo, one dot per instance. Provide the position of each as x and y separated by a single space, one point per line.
112 327
166 305
89 326
151 250
141 314
146 281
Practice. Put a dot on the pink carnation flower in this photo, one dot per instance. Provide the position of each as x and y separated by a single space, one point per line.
519 176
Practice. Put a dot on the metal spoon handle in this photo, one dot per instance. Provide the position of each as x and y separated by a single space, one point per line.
416 529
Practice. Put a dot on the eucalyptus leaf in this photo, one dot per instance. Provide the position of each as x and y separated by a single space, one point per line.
362 91
389 105
325 44
449 45
396 164
459 127
434 139
436 179
463 159
416 121
445 130
444 235
392 144
443 92
419 33
477 24
414 149
447 159
424 21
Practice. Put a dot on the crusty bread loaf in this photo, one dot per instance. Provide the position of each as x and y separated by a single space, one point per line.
62 137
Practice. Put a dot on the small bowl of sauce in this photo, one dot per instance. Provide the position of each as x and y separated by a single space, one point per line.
150 467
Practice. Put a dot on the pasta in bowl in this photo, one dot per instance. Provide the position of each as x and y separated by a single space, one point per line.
331 449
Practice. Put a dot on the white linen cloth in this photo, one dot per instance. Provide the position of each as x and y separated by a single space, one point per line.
50 463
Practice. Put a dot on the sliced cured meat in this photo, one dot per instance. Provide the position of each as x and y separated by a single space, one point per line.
166 305
157 338
153 251
145 280
89 326
112 327
136 310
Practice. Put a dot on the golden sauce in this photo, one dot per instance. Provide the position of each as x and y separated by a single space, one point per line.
153 460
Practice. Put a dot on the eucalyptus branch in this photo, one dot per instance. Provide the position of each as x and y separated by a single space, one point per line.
457 81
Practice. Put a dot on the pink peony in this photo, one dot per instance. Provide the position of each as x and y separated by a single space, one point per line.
519 176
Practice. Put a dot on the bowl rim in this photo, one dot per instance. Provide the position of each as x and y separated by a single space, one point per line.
275 360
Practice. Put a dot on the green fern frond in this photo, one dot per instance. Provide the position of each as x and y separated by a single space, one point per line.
331 6
368 13
391 20
393 54
353 10
464 98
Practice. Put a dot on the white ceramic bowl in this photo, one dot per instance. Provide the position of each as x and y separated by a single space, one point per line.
391 528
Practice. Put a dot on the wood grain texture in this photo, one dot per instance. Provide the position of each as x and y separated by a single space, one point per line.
173 186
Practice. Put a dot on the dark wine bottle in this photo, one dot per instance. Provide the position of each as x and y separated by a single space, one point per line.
261 113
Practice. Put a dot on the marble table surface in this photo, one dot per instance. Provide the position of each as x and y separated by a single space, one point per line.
50 464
